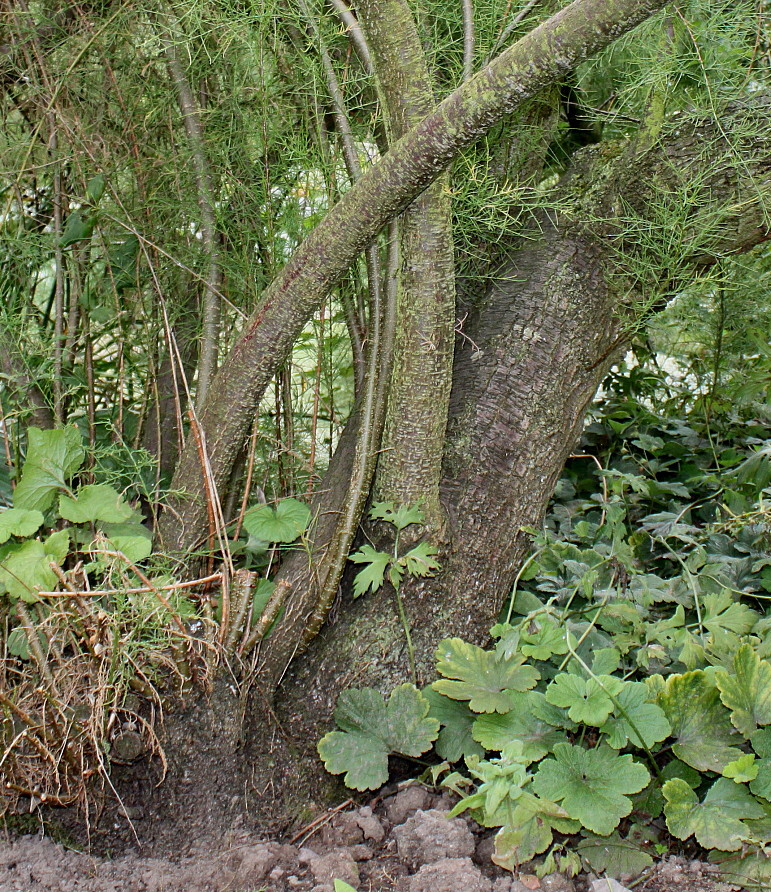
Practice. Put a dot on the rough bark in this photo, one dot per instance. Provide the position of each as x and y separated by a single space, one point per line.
541 340
409 468
541 57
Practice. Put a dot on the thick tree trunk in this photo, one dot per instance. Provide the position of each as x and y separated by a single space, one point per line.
540 58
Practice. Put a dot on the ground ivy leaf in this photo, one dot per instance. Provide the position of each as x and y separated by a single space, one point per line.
19 522
717 821
372 575
587 699
481 677
52 458
592 785
639 718
372 729
747 691
455 740
617 857
95 502
284 523
538 737
700 723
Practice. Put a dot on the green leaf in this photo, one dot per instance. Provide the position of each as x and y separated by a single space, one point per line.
617 857
586 699
761 783
57 545
371 576
751 871
479 676
420 560
520 723
95 188
530 831
52 458
634 717
95 502
341 886
19 522
742 770
372 730
593 786
400 517
700 723
717 822
543 639
747 691
26 570
284 523
77 228
131 539
455 740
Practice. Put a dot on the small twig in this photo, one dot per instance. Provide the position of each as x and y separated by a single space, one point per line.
316 824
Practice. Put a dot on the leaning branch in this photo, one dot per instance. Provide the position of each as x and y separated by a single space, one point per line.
537 60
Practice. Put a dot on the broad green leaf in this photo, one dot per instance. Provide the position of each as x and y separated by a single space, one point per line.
530 831
751 871
521 723
587 700
455 740
421 560
284 523
57 545
717 822
747 691
341 886
26 570
95 502
52 458
742 770
372 730
593 786
700 723
95 188
131 539
400 517
761 783
543 639
19 522
263 589
17 643
77 227
479 676
635 717
371 576
617 857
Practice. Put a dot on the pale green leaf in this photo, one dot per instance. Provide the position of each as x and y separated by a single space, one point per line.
701 725
747 690
612 855
95 502
479 676
543 639
742 770
19 522
372 575
53 456
373 729
717 822
57 545
26 570
77 227
520 723
341 886
587 700
284 523
530 832
131 539
635 717
593 786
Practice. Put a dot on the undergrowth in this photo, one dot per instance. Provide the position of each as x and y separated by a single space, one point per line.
624 709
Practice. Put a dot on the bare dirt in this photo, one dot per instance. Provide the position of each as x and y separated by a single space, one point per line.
401 843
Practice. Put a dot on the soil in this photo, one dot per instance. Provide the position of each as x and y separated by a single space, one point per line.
402 842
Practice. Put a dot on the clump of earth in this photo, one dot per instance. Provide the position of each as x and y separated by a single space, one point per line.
404 842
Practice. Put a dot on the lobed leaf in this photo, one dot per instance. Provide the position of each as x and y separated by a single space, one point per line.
747 691
53 456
